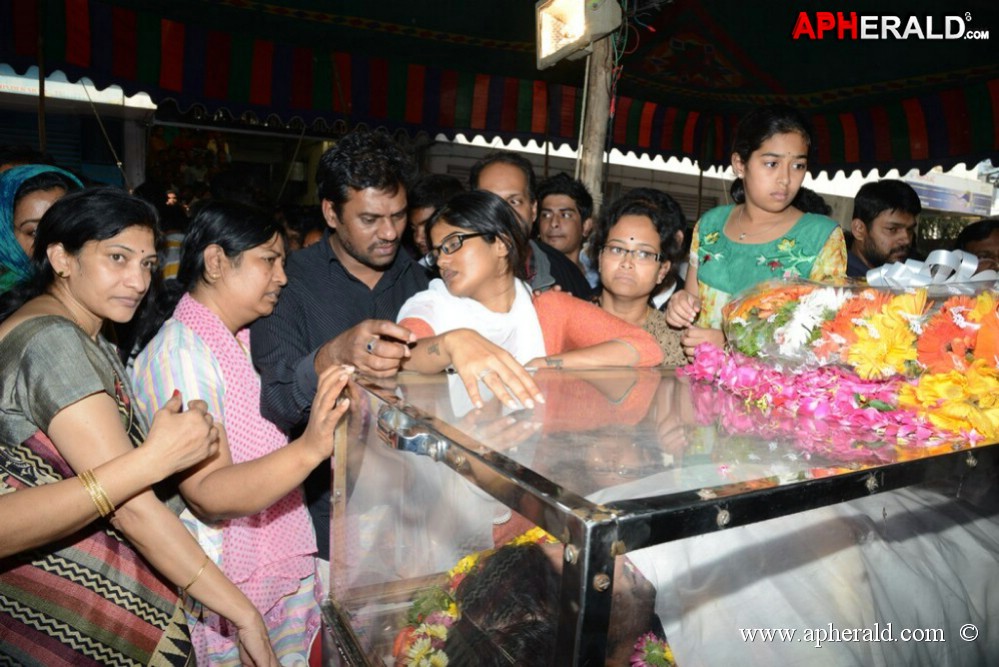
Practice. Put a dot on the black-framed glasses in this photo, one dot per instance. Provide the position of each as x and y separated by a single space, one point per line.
450 245
643 256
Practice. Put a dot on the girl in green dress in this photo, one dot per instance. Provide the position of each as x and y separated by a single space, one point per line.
760 237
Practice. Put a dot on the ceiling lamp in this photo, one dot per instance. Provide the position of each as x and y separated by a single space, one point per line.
567 27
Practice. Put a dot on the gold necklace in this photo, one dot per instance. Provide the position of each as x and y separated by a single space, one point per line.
758 231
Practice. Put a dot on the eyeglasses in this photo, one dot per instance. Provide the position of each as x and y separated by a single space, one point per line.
642 256
450 245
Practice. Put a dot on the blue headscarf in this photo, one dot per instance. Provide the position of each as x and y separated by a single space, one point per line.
15 266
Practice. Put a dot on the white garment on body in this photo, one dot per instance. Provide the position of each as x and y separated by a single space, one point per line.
517 331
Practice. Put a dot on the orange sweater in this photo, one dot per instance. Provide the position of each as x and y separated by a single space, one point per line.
568 323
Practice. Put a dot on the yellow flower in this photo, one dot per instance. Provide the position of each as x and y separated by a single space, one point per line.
535 535
711 238
419 651
465 565
984 305
438 659
884 344
910 304
958 401
785 245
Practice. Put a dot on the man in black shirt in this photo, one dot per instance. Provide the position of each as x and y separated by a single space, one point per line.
511 176
343 294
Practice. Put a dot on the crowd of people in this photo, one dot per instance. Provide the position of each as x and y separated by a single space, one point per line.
222 340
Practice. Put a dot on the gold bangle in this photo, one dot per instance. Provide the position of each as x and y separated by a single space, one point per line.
200 572
104 505
97 494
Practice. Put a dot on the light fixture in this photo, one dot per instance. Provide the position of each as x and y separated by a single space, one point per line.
567 27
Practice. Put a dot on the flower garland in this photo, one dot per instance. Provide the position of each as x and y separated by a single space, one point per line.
837 366
876 333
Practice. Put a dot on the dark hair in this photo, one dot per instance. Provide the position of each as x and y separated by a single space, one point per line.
759 125
94 214
47 180
509 611
361 160
506 157
873 199
485 212
810 201
976 231
666 215
563 184
433 190
232 225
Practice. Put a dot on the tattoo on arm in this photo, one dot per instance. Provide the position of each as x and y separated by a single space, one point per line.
434 348
553 362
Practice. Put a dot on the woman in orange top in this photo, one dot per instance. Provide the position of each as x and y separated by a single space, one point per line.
481 319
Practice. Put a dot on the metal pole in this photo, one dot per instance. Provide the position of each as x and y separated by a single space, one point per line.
594 134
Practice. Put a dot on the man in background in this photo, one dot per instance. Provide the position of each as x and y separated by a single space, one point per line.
981 239
429 193
884 226
566 219
511 176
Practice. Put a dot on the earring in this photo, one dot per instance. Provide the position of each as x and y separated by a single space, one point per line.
60 274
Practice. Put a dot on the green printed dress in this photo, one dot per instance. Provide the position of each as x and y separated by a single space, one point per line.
814 248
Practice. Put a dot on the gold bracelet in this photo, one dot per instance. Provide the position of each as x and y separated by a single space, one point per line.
104 505
200 572
97 494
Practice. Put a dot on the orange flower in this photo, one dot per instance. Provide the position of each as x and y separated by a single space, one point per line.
840 332
944 345
987 347
766 299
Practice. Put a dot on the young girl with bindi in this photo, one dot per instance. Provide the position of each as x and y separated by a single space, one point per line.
760 237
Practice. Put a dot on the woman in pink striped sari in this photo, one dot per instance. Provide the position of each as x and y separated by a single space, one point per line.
246 503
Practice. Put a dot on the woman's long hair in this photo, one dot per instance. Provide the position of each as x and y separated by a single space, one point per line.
233 226
489 214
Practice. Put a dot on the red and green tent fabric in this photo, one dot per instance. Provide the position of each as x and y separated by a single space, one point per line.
690 69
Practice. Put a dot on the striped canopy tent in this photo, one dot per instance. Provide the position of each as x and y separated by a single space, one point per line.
688 70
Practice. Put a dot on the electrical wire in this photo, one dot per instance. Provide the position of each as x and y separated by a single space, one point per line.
100 123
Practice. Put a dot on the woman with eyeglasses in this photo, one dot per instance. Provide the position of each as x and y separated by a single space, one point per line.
481 320
635 246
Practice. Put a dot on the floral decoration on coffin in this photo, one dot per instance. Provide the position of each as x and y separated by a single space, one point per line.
858 362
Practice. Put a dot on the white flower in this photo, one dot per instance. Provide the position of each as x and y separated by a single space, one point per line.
812 310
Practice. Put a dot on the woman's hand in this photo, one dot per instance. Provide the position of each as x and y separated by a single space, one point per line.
682 309
254 644
694 336
181 439
474 358
328 407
